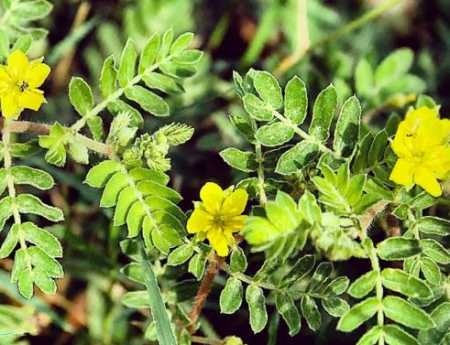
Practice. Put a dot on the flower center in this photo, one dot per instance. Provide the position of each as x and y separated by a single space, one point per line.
23 86
219 221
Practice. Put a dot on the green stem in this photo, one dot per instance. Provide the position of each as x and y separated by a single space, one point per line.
157 306
305 136
7 162
78 125
378 289
260 172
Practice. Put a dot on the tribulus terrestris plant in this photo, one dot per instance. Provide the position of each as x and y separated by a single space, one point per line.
316 189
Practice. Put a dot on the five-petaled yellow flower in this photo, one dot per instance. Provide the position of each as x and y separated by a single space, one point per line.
218 216
19 83
423 148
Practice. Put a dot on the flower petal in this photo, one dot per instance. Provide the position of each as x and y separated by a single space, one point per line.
218 241
235 203
5 80
425 179
403 172
17 64
10 106
31 99
199 221
235 224
36 74
212 196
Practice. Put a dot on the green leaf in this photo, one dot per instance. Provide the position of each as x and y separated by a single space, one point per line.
256 108
364 78
180 255
296 158
394 335
323 113
241 160
148 100
10 242
135 272
3 181
358 314
309 208
95 124
158 309
5 210
295 101
286 307
398 248
166 43
154 80
257 307
238 260
188 57
393 66
127 66
346 134
136 299
425 101
377 148
231 296
311 313
23 43
371 336
150 52
431 271
441 317
335 306
268 89
363 285
108 77
434 226
181 43
42 239
274 134
436 251
300 269
197 265
406 313
27 203
100 174
78 151
55 142
339 285
404 283
31 10
31 176
80 95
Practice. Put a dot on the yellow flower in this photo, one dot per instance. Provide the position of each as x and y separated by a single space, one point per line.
218 216
19 82
422 145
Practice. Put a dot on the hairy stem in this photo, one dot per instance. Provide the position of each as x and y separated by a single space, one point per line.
214 266
7 163
78 125
207 341
305 136
260 172
378 289
44 129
